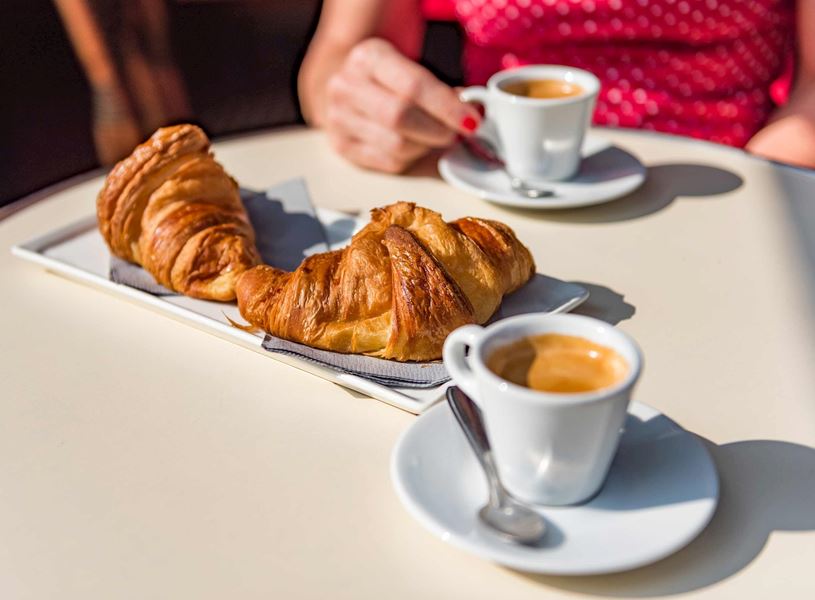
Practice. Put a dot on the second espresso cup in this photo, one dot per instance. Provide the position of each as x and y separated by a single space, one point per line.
539 137
550 448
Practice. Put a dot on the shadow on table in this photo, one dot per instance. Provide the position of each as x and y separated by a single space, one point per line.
664 184
604 304
766 486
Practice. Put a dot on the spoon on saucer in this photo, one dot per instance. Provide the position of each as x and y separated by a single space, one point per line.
482 149
503 514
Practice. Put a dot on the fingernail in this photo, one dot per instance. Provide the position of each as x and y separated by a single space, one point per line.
469 124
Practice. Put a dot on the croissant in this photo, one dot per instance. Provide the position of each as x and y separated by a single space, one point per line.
171 208
396 291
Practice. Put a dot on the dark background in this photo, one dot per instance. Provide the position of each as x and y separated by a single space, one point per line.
239 60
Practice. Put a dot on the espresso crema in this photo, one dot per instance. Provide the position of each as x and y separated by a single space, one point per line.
542 88
558 363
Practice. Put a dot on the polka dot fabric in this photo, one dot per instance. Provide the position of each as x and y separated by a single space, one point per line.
702 68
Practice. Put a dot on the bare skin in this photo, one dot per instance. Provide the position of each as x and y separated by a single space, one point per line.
360 83
789 136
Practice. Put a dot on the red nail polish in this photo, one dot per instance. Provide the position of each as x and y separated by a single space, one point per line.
469 124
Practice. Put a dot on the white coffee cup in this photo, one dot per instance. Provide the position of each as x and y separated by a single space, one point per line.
539 139
550 448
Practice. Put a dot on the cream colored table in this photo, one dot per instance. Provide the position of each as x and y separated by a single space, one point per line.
141 458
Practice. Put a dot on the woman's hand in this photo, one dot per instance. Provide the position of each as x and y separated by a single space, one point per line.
383 111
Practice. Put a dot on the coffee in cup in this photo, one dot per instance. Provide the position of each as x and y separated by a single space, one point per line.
542 88
562 364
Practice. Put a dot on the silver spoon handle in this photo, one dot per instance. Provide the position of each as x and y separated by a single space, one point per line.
483 150
469 418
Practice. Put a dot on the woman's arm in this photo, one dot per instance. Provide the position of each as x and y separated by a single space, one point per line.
790 134
359 82
115 126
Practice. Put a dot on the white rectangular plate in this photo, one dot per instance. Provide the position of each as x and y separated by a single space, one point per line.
78 252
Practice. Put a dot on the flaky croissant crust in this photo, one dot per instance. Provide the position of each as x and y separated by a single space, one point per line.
171 208
396 291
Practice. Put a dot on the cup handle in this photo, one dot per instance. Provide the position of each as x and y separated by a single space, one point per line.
478 94
456 360
487 129
475 93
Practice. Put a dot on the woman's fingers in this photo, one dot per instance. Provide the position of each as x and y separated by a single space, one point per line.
381 62
388 141
383 111
370 144
383 106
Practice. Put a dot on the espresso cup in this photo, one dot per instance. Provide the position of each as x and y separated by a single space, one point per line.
539 139
549 448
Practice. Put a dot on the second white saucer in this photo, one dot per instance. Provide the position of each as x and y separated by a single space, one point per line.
660 493
607 172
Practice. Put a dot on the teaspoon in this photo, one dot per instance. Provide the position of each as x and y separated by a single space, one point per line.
504 514
483 149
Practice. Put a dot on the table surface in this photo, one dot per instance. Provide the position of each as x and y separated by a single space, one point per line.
142 458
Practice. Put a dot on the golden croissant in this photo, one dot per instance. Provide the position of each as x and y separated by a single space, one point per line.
171 208
396 291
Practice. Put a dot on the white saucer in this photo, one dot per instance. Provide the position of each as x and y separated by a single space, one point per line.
660 494
607 172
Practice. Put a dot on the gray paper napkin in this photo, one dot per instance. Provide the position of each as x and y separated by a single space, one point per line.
385 372
541 294
134 276
287 229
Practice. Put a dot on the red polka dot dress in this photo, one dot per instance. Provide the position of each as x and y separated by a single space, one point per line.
710 69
